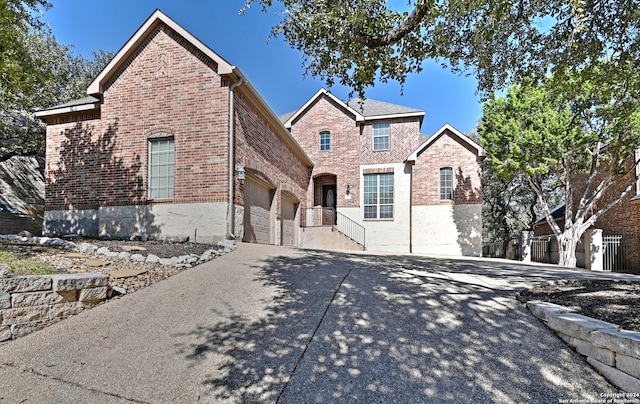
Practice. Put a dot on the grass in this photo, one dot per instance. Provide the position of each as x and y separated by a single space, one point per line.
24 266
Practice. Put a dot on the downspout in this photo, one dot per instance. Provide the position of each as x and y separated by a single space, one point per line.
230 209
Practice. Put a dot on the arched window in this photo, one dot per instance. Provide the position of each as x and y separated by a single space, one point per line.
446 184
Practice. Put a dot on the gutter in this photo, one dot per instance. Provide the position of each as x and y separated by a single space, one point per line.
232 143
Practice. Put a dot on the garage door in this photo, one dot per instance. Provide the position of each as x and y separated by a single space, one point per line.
257 208
288 222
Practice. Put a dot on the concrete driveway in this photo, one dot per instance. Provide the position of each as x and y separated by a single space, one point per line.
273 324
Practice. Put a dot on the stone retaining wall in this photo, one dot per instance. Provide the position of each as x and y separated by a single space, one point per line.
613 352
30 303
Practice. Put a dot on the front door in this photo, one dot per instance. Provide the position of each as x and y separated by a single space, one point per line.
329 201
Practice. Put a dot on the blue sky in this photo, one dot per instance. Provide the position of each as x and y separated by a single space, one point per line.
273 68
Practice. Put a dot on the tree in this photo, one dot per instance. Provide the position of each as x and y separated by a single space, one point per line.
36 72
357 42
508 204
570 132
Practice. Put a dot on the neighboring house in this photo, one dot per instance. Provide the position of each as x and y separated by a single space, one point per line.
373 166
172 141
623 219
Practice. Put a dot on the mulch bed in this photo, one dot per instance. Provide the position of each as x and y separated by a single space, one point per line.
616 302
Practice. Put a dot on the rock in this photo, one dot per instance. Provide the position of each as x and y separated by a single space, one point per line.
132 248
102 250
96 263
25 233
207 255
177 239
4 270
64 282
227 244
87 248
74 255
152 258
119 290
138 257
106 236
124 255
168 261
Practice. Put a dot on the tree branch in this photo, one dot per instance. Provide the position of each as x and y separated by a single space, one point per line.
403 29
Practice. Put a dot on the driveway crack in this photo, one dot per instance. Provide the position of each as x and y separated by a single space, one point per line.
326 309
60 380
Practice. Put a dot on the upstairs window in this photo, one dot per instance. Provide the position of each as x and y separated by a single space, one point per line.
161 164
378 196
381 135
325 140
446 184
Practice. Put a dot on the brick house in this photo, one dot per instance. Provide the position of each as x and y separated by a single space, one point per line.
374 167
172 141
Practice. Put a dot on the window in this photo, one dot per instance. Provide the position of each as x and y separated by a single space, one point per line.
325 140
381 134
378 196
446 183
161 153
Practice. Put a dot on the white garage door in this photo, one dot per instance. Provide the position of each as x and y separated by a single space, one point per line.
288 222
257 208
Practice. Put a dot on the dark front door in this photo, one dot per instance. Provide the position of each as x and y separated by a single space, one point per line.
329 201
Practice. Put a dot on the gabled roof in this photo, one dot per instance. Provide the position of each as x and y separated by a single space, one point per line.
372 109
157 18
225 69
362 110
479 150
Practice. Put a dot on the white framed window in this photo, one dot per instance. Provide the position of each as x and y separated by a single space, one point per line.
381 136
446 184
161 166
378 196
325 140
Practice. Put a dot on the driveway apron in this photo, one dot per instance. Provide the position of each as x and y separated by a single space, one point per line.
273 324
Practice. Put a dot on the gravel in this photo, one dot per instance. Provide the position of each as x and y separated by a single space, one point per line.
151 259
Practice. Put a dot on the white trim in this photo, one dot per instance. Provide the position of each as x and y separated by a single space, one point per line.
66 110
479 150
358 116
158 17
395 116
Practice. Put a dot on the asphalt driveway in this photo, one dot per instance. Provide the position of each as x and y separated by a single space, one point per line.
273 324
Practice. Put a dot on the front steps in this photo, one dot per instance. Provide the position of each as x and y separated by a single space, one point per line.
325 238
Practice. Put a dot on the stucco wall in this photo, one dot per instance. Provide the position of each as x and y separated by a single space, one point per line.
447 230
205 222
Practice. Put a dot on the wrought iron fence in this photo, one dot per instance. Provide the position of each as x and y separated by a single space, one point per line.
621 253
541 249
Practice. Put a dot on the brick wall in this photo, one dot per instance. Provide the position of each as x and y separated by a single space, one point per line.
167 88
447 151
264 154
351 145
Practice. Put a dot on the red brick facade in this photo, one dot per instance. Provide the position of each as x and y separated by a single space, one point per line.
448 150
167 86
351 146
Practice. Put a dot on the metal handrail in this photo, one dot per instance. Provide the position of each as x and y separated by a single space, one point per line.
325 217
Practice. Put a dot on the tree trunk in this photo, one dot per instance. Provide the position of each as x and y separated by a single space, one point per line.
567 243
